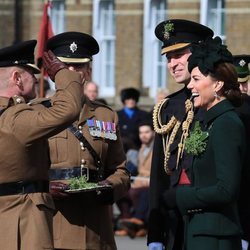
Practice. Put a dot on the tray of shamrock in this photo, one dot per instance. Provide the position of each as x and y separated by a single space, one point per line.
80 185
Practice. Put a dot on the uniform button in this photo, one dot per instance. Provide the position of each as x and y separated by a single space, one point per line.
83 161
80 127
81 144
83 148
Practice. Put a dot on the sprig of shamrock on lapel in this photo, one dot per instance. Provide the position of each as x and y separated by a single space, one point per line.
195 143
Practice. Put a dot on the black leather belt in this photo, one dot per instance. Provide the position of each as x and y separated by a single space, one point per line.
24 187
68 173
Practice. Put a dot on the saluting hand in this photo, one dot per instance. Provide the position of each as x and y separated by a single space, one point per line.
52 64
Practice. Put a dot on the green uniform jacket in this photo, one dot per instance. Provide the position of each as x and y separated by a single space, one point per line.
211 203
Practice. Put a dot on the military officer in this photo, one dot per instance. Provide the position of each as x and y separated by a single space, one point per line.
84 221
26 207
241 64
172 117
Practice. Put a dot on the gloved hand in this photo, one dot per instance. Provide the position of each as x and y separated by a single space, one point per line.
104 183
105 196
52 64
155 246
56 189
169 198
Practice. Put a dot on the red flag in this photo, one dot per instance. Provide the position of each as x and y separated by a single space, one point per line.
45 32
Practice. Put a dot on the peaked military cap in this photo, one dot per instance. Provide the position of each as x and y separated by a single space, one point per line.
19 54
241 63
179 33
130 93
73 47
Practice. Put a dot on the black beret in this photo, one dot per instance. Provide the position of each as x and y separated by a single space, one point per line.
130 93
73 47
179 33
241 64
19 54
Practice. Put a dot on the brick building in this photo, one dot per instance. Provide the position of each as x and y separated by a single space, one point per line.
130 52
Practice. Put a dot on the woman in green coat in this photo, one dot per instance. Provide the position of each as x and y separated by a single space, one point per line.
209 206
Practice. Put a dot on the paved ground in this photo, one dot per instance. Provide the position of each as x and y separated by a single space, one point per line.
125 243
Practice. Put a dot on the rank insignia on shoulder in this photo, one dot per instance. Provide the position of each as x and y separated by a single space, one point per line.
103 129
18 99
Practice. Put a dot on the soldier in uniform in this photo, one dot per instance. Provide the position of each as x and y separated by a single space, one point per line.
241 64
84 220
172 118
26 207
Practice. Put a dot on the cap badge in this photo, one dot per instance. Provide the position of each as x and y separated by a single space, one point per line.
242 63
73 47
168 28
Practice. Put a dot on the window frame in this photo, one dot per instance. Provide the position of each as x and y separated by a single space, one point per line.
106 57
214 8
154 64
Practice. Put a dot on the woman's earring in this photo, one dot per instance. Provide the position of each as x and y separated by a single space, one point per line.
216 96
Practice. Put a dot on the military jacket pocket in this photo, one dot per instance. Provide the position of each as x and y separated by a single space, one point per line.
211 223
59 147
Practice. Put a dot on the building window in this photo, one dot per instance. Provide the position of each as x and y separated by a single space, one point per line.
104 33
154 65
213 16
57 16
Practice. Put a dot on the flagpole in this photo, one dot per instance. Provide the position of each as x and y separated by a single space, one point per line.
41 83
45 33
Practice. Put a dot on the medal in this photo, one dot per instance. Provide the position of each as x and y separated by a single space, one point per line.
98 128
109 135
114 136
91 126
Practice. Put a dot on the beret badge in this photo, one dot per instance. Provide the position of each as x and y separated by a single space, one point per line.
168 29
242 63
73 47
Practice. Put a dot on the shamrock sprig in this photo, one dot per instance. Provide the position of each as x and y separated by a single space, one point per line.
81 183
195 143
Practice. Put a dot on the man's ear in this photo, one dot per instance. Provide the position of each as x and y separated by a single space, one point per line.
17 79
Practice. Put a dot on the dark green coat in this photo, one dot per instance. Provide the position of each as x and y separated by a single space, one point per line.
210 205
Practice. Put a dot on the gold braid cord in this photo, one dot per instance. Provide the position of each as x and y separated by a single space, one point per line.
158 127
170 130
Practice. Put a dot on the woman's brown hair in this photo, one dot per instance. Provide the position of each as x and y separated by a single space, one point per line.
226 73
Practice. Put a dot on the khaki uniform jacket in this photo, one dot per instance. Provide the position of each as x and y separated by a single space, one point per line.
82 221
26 220
144 168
